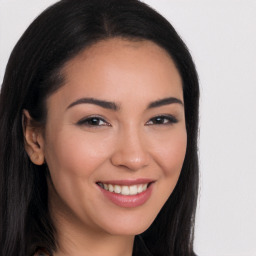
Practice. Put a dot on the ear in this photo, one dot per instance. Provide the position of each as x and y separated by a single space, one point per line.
33 139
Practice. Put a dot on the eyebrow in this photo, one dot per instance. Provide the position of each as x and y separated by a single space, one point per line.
101 103
113 106
165 101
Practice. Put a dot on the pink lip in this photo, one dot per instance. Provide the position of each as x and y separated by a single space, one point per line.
129 201
128 182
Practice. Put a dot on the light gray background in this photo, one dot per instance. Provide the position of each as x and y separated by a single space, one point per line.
221 35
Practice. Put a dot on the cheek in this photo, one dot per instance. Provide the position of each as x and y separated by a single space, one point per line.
171 153
75 154
74 160
170 158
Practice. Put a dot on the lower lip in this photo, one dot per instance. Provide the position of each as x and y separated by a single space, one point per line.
128 201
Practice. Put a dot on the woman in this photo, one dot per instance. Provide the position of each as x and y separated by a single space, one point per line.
98 124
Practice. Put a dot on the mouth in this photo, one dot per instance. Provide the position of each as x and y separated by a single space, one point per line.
127 193
126 190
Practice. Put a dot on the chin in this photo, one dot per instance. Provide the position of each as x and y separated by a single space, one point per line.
128 231
128 226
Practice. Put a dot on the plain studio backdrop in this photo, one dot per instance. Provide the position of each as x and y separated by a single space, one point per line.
221 35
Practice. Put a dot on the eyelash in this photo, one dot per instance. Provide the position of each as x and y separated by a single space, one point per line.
93 119
164 120
157 120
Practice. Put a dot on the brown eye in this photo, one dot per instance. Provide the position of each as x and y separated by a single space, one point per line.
162 120
93 121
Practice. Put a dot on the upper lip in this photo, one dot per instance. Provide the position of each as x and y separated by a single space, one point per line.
128 182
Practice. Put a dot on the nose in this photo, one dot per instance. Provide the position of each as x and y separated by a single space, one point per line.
131 151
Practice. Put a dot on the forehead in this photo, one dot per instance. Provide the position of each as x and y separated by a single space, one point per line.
116 67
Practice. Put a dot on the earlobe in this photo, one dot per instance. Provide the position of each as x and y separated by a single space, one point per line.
33 139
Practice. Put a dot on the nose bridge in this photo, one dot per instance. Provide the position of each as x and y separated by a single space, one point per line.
131 151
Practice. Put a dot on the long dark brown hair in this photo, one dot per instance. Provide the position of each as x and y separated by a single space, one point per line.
34 72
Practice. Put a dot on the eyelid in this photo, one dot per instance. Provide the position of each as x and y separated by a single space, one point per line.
83 120
171 119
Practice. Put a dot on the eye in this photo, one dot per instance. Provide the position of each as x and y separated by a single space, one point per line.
162 120
93 121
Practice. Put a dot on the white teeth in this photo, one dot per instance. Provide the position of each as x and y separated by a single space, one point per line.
140 188
133 190
117 189
110 188
125 190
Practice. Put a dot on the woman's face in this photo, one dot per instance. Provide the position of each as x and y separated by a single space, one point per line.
117 124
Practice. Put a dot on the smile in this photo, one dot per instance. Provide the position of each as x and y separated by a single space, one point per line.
127 193
123 189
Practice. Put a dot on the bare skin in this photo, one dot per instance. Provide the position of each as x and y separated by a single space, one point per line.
139 134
